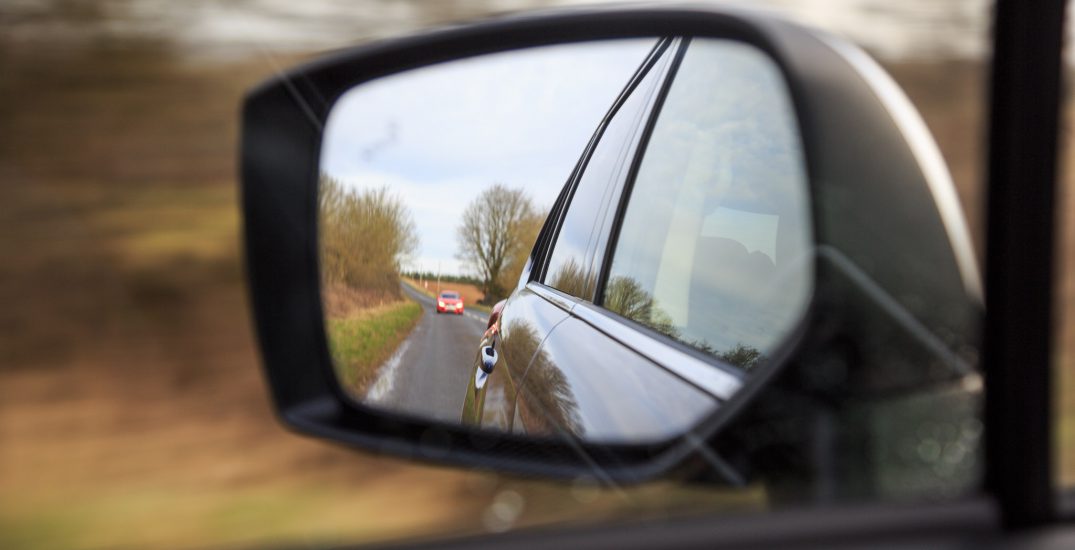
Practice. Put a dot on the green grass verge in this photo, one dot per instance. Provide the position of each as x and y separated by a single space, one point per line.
362 342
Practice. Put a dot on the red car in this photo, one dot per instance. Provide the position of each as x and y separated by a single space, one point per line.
450 301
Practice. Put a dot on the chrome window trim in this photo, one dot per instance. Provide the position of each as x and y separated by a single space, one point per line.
925 150
714 378
558 298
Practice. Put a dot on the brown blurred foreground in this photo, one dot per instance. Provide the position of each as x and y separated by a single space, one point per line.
132 409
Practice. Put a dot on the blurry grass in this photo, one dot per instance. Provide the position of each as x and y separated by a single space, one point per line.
321 514
1064 304
317 513
156 223
362 342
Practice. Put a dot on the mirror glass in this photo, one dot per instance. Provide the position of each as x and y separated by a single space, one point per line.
677 263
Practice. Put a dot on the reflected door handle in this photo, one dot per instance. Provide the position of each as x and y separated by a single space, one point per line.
488 361
489 357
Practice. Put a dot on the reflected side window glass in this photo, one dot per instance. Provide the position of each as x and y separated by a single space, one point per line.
570 269
714 244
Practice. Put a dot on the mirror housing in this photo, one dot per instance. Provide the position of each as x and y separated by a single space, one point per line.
866 152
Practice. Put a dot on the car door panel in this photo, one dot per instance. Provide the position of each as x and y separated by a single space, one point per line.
549 402
582 382
523 324
527 319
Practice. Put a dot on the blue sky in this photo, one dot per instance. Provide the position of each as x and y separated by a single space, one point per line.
440 135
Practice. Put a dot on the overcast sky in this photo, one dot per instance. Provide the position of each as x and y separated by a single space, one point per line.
439 136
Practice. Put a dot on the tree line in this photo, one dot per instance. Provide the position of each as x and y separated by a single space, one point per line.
445 278
365 237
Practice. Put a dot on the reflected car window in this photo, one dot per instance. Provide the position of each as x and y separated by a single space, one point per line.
712 250
569 268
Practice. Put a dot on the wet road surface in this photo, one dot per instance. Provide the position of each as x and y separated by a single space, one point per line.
428 374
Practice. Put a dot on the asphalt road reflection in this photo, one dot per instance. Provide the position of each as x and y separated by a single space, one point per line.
428 374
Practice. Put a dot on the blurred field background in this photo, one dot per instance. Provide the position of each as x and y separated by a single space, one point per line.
132 409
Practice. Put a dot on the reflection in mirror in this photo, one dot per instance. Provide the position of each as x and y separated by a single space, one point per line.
435 184
715 244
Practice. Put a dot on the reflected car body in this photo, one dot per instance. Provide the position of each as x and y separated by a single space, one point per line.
547 381
450 301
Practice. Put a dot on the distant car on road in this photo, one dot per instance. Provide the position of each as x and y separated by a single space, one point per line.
450 301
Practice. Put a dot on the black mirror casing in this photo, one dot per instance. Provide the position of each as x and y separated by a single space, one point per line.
856 153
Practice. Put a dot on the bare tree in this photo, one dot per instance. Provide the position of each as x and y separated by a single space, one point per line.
497 233
524 234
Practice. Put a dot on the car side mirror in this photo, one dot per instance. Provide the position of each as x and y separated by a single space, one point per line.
494 315
817 178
